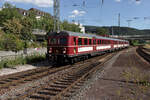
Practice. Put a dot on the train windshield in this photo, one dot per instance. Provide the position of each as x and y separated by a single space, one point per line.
63 41
53 41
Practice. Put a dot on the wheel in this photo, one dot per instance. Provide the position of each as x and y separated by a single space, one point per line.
71 61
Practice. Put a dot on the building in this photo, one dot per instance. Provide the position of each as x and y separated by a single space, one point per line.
23 11
82 28
38 13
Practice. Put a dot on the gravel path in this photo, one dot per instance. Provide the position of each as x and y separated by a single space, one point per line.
7 71
115 82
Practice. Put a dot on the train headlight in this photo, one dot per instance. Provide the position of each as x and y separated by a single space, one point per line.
50 50
64 50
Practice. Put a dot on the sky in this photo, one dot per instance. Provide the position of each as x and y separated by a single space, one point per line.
95 12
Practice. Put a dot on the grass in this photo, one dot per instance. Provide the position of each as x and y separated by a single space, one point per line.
138 82
20 60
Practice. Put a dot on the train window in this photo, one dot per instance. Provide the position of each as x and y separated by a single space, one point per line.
97 41
63 40
90 41
85 42
74 40
53 41
94 41
79 41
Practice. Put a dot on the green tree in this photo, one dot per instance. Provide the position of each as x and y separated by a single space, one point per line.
1 32
101 31
11 42
26 31
70 27
48 24
12 26
8 12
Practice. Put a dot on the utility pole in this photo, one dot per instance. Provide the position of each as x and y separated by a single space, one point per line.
56 15
112 30
119 19
119 23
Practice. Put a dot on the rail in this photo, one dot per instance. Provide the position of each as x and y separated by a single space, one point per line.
142 52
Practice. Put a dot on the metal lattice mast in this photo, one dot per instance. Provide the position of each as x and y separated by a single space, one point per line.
56 15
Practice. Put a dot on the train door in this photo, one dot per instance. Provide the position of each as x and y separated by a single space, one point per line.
75 45
94 44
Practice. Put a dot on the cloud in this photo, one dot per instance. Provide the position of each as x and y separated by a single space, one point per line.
72 16
78 13
138 2
39 3
118 0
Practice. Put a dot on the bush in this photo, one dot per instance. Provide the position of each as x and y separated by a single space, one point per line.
44 44
11 42
22 60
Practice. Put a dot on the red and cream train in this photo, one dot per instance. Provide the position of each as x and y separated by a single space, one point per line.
72 46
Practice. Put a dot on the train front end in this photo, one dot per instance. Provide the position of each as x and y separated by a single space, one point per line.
57 46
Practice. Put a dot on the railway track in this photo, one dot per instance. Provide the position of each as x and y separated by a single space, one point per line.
9 82
143 53
63 86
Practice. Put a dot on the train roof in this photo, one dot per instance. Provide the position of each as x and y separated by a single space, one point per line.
69 33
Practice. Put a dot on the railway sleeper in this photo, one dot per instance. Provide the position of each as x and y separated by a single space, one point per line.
71 80
27 80
74 78
21 77
2 83
7 80
65 81
52 89
58 86
13 78
38 97
47 93
62 83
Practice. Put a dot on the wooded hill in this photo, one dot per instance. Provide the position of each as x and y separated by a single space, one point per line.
117 30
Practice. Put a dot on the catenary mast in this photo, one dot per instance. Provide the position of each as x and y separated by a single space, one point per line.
56 15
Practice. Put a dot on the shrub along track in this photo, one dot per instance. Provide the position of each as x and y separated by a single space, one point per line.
62 87
143 52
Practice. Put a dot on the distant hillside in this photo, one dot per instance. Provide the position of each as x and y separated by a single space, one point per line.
117 31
